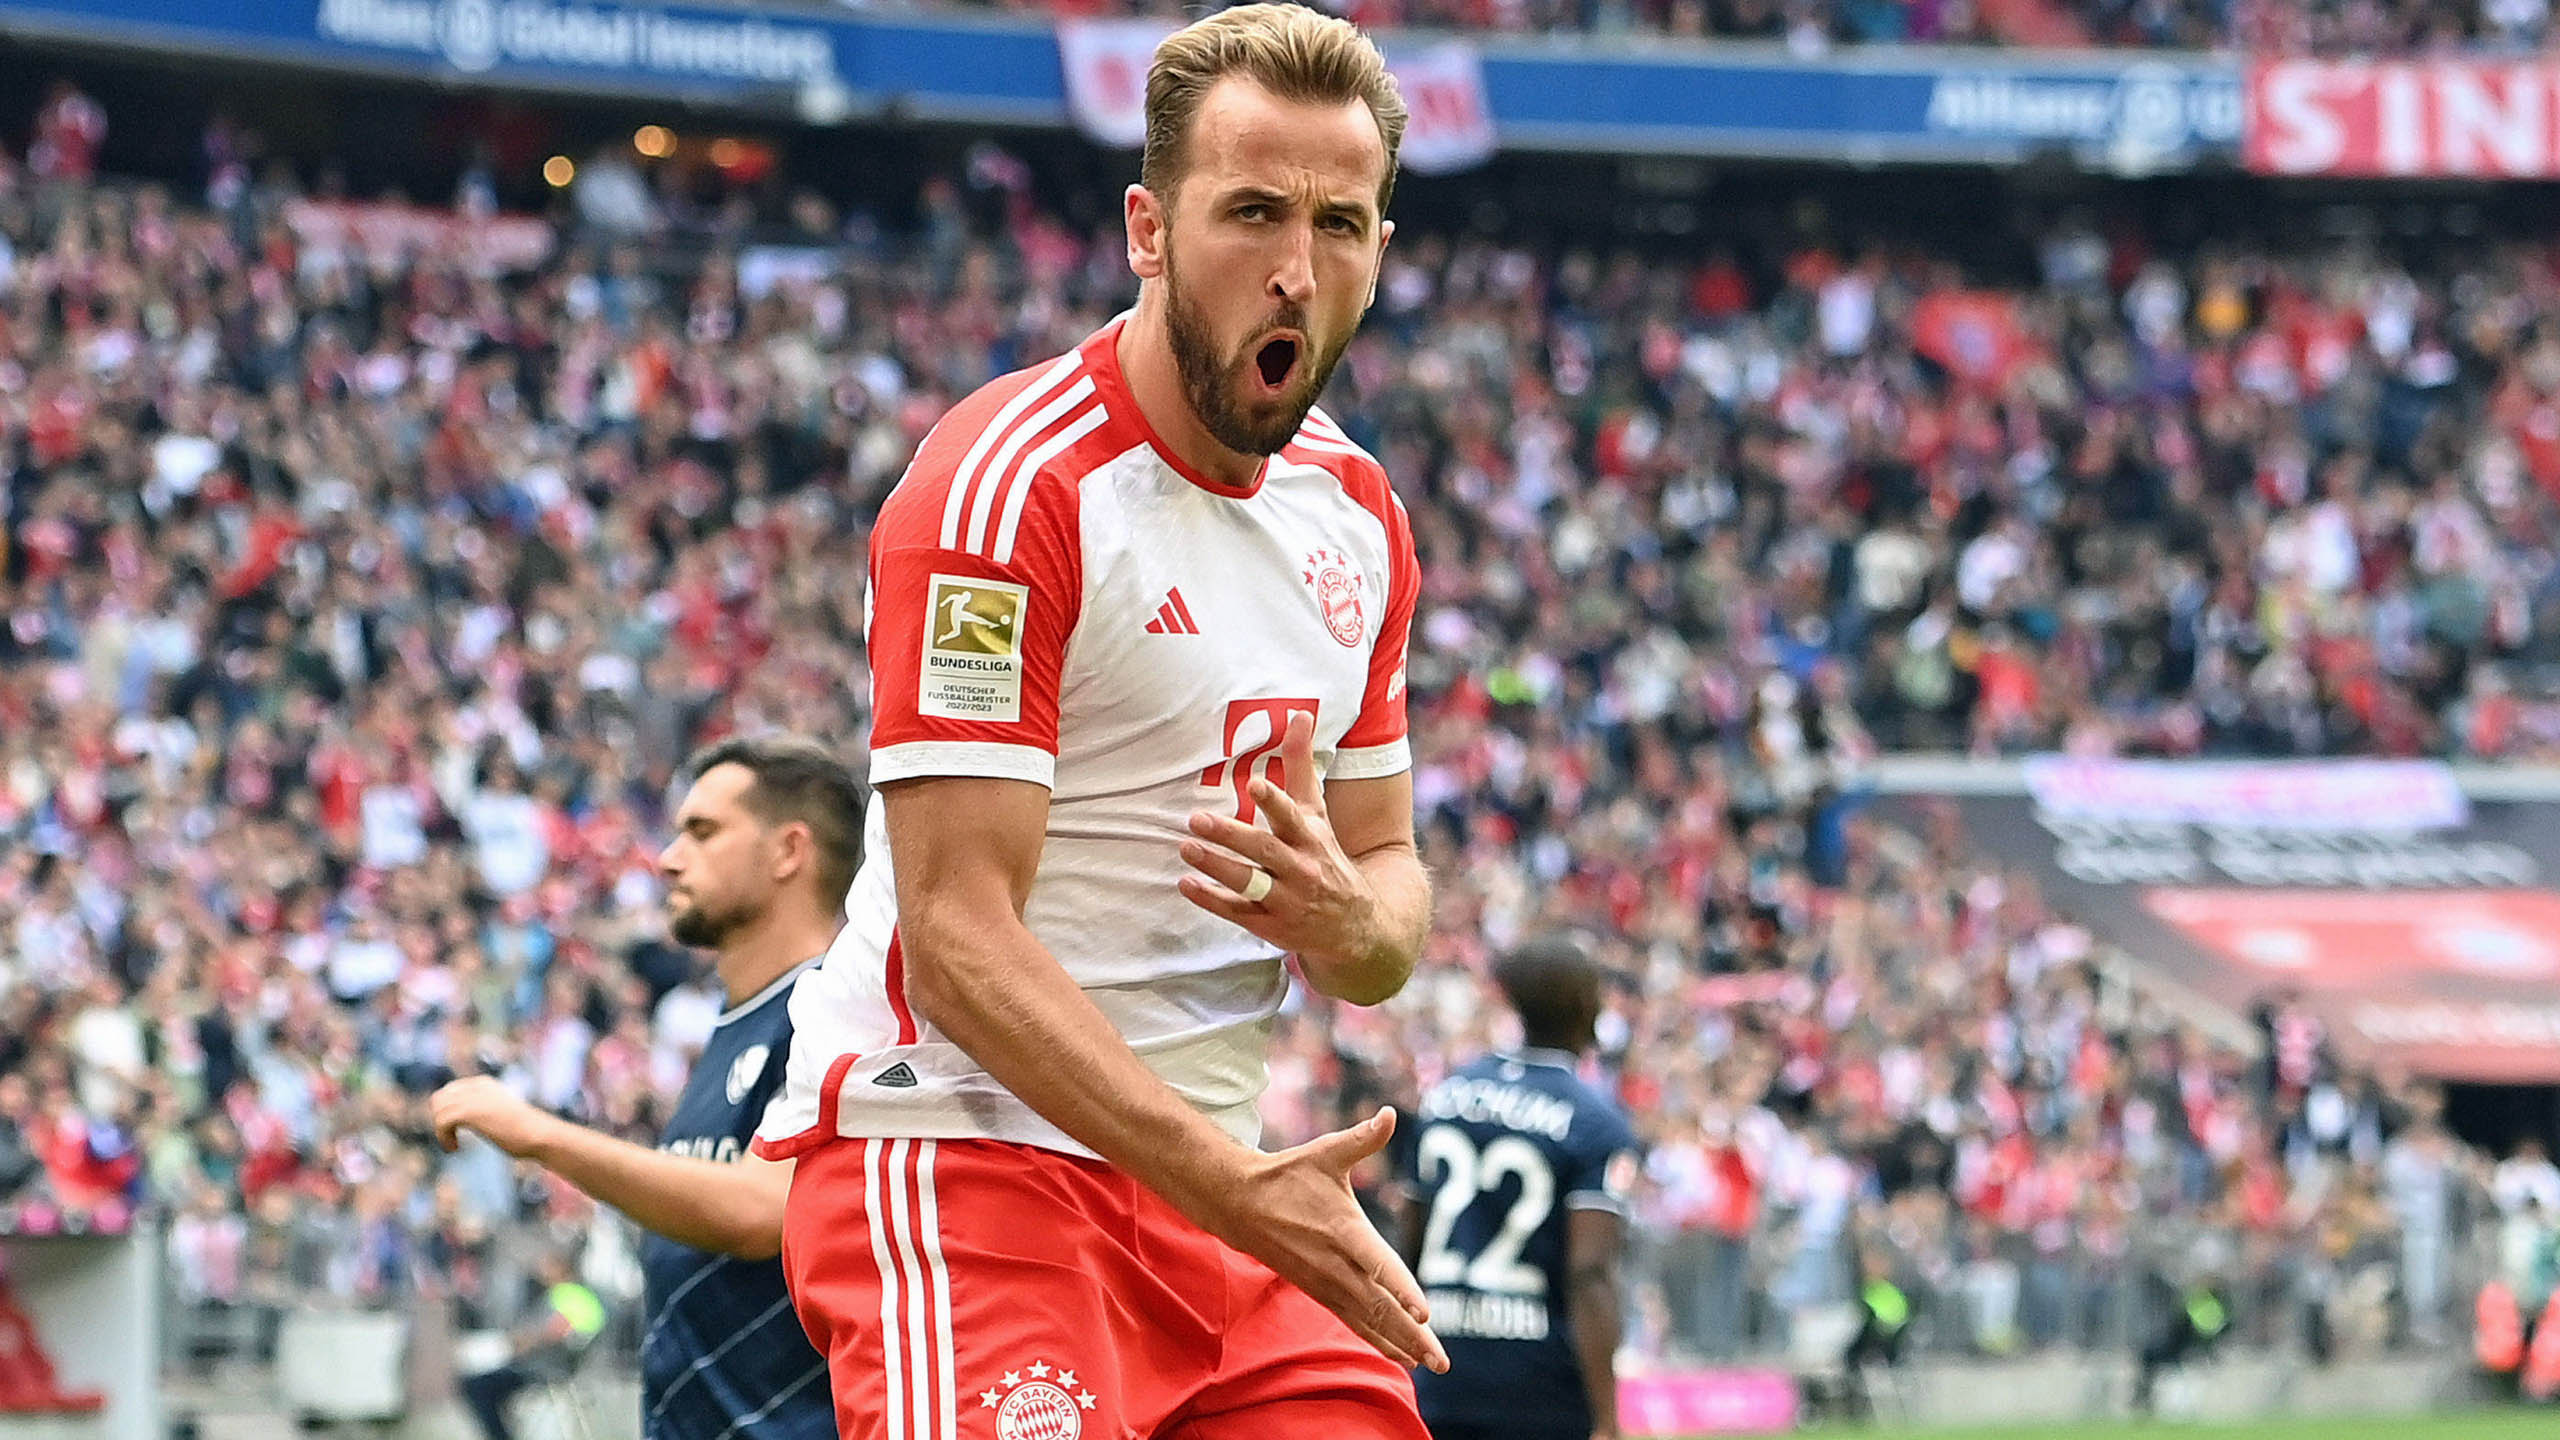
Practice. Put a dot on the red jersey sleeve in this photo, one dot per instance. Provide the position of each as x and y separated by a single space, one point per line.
977 578
1375 745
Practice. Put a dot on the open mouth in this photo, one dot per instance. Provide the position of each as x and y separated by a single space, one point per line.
1276 361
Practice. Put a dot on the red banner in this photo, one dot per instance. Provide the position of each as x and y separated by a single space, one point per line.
1106 71
1973 333
2454 982
2447 118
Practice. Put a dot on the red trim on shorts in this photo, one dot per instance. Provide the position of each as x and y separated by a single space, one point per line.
792 1147
894 979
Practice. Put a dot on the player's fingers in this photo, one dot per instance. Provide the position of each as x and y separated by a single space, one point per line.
1376 1340
1287 816
1224 903
1343 1149
1230 873
449 1135
1387 1272
1409 1338
1298 760
1373 1317
1254 844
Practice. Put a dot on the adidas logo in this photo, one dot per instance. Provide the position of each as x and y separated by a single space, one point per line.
897 1077
1173 617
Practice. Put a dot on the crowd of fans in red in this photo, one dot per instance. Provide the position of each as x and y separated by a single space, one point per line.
1812 27
359 607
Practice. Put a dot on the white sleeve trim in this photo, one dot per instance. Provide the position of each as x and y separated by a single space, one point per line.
1374 762
988 759
1595 1200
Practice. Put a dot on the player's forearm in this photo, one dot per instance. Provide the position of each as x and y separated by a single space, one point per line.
1379 963
729 1209
1597 1320
1000 996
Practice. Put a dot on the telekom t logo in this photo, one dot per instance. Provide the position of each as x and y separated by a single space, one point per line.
1254 748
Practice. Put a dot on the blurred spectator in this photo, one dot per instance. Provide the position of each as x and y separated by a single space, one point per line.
567 1318
69 131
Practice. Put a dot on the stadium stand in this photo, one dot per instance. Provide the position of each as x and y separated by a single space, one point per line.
360 607
1810 27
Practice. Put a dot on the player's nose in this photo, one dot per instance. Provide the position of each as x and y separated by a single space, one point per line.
1293 271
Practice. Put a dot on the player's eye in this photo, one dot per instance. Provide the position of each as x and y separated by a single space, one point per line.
1254 211
1343 224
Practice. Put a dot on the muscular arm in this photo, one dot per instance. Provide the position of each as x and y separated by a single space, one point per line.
731 1209
1592 1242
1373 820
967 851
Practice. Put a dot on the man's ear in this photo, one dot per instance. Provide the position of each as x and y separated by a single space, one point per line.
794 850
1147 217
1386 232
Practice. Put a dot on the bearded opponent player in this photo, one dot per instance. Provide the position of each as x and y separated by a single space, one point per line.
765 845
1137 636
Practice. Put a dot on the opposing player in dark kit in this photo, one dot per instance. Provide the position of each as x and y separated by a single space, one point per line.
1515 1176
766 844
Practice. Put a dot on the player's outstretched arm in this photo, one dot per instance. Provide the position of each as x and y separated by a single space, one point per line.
729 1209
1348 892
1593 1242
968 849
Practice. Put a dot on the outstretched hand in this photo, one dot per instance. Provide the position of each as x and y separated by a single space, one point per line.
1294 1211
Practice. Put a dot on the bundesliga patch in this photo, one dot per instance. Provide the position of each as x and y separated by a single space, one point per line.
973 649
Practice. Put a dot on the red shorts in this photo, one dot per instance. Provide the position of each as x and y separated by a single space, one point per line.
966 1288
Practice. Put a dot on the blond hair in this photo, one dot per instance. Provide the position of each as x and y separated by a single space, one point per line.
1295 53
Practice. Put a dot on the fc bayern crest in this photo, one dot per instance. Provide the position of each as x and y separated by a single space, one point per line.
1033 1403
1337 588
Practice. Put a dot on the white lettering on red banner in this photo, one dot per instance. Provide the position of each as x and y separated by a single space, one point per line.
1106 73
2448 118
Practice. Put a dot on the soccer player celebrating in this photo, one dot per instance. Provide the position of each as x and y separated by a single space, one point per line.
1137 635
766 842
1517 1180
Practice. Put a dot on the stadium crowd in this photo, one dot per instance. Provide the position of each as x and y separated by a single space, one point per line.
1814 27
360 607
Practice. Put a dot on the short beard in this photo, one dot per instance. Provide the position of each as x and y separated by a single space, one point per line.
703 928
1212 384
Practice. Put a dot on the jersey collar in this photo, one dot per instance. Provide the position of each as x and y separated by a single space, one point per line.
761 998
1537 1055
1102 362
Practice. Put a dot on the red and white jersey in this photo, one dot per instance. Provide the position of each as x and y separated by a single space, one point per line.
1055 598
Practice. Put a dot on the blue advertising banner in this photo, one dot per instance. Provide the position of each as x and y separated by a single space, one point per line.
2130 115
2127 114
